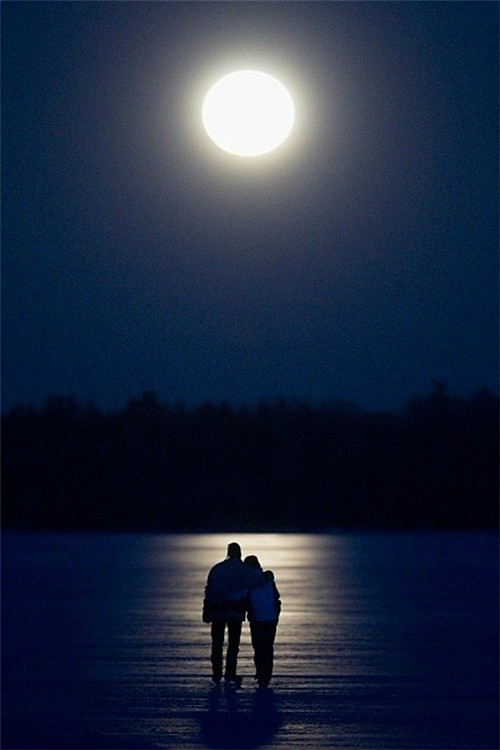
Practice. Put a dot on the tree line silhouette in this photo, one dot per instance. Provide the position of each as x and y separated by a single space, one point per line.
280 465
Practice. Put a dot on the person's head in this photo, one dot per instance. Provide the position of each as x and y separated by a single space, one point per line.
253 561
234 550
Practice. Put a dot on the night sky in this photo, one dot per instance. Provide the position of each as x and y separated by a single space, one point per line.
358 262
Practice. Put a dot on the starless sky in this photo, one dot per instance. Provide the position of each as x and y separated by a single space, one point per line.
359 261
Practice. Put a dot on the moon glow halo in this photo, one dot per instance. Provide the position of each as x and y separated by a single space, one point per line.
248 113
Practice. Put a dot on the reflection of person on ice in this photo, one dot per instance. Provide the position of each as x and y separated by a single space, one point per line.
225 603
263 613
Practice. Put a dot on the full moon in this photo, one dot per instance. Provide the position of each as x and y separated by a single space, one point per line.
248 113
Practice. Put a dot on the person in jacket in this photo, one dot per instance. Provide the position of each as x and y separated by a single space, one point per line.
224 606
264 609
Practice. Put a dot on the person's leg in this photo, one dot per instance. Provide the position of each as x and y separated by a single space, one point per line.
218 627
254 639
268 636
234 634
258 641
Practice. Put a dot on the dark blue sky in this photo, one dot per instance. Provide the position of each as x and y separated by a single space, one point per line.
358 262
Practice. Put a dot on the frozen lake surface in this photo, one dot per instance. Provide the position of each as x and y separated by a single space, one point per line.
385 641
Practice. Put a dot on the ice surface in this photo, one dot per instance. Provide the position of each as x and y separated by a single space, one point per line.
385 641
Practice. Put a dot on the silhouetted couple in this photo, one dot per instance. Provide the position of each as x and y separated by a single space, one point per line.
236 589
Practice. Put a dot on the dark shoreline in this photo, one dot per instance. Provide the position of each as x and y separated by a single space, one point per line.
277 466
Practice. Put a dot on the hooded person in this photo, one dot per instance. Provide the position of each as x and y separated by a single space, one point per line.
264 609
224 606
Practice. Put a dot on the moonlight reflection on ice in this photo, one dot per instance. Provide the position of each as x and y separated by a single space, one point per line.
385 640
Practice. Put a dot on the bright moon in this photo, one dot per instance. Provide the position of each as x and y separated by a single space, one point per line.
248 113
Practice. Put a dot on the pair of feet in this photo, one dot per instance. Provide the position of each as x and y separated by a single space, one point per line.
236 680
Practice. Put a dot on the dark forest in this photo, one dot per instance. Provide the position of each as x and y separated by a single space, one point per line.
273 466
